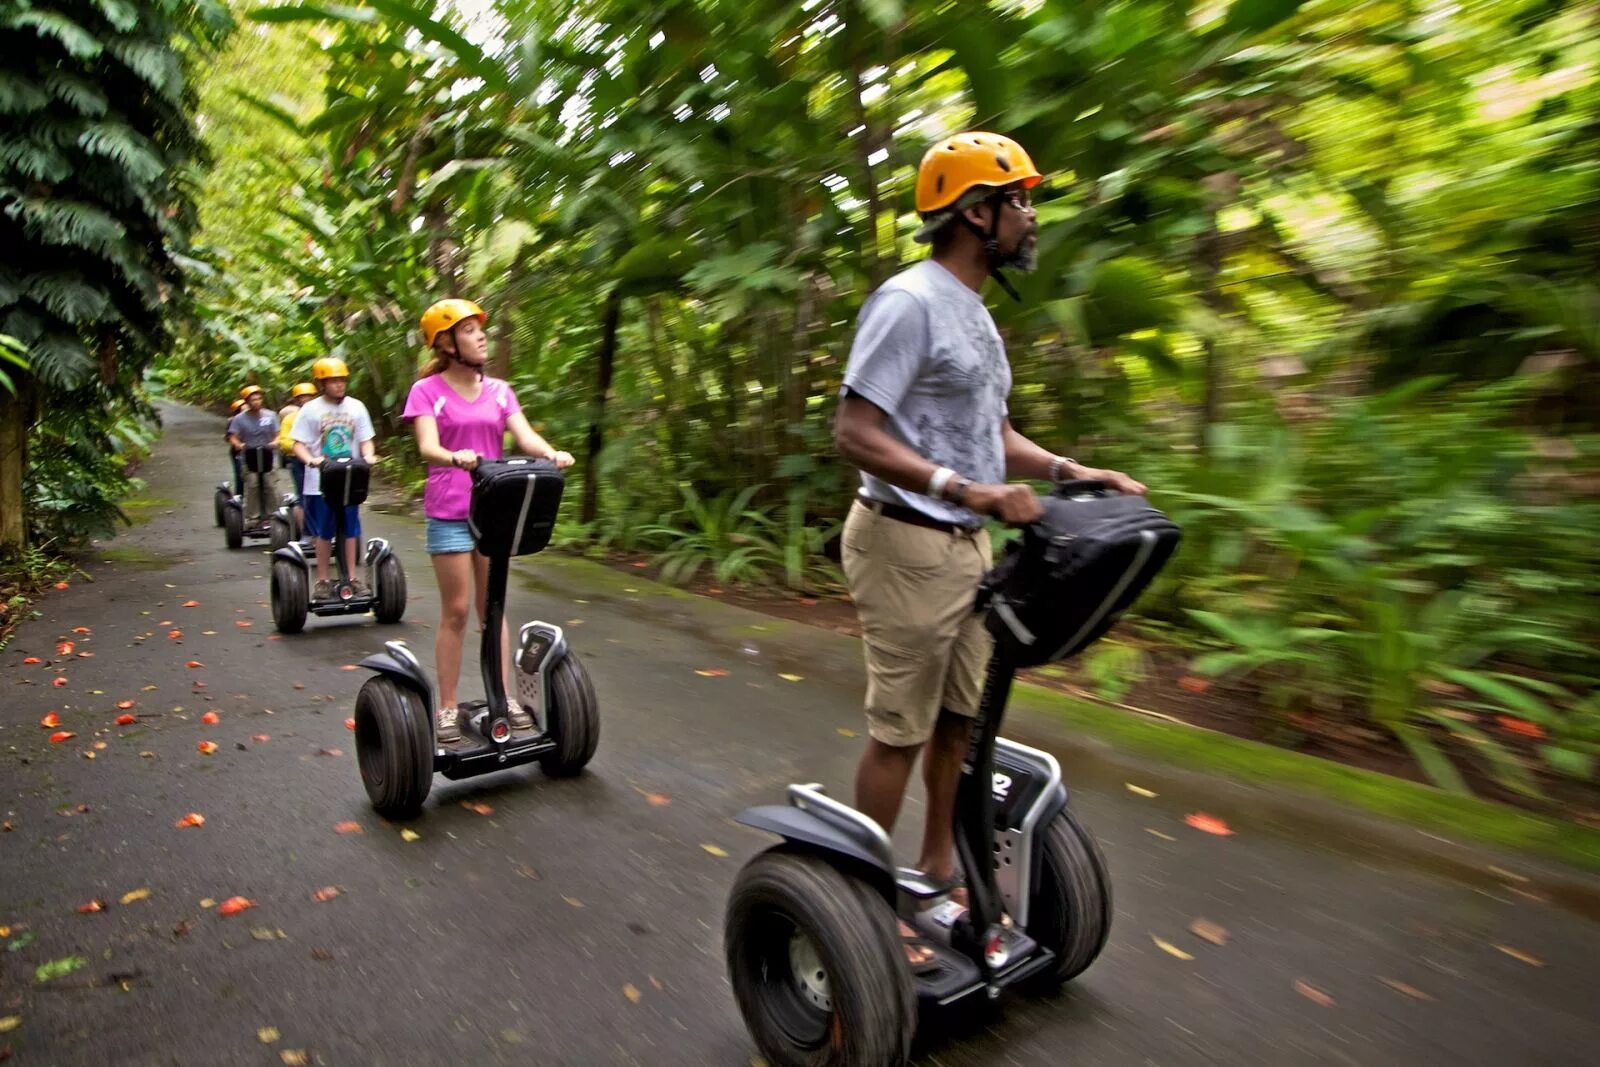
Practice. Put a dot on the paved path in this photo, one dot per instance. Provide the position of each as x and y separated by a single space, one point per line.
579 922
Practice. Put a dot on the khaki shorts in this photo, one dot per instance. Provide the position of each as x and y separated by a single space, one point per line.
926 649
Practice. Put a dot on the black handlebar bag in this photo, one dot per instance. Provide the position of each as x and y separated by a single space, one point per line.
345 481
1072 574
514 504
259 458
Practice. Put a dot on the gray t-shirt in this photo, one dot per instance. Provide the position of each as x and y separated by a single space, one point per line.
927 352
255 428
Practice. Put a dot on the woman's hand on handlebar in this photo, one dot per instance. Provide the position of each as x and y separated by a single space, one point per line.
466 459
314 461
562 460
1014 505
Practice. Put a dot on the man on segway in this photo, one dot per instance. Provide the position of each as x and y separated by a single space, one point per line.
923 416
332 426
255 427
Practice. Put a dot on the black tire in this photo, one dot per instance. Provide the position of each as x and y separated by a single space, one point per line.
291 596
394 746
219 500
870 1012
282 532
391 581
233 525
1070 910
573 719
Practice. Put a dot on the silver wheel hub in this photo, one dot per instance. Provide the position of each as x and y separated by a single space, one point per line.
806 966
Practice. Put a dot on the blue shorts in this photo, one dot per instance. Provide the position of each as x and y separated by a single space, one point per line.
448 535
319 518
297 471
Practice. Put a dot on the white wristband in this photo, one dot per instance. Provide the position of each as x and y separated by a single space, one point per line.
940 479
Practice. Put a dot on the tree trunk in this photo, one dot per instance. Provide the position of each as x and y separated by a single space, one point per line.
15 416
443 251
868 142
606 358
1209 250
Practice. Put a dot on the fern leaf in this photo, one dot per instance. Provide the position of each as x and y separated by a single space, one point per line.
129 148
18 95
80 93
79 42
157 66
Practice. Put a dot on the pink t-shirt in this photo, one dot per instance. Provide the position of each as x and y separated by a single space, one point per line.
476 424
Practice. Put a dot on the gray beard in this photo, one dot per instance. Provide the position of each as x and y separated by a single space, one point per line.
1025 258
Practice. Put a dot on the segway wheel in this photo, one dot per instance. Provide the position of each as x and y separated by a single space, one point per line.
282 532
391 581
394 746
233 525
1070 912
573 719
219 500
291 596
816 965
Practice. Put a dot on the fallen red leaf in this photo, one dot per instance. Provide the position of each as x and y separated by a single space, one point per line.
59 682
92 906
234 905
61 585
712 672
64 648
330 752
242 623
174 635
481 809
81 630
808 601
1520 726
326 893
194 818
641 564
206 747
1194 683
61 735
349 724
1312 993
50 721
261 737
32 661
191 603
1208 824
347 827
86 655
658 800
124 704
164 622
349 667
194 663
126 720
211 718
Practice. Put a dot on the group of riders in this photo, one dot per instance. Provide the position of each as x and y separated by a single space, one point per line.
923 415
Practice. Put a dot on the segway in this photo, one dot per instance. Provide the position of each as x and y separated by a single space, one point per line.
258 461
284 527
513 511
344 482
814 955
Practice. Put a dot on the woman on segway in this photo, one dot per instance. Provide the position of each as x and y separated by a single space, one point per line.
234 451
459 416
298 396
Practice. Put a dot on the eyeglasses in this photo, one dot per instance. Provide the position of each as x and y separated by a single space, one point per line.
1017 198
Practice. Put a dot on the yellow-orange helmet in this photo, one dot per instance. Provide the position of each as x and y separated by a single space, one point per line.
447 313
245 393
235 407
329 367
956 165
302 389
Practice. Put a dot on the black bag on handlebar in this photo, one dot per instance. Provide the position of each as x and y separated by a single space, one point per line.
259 458
1073 573
514 503
344 481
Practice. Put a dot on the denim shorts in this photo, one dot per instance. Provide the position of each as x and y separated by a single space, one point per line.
448 535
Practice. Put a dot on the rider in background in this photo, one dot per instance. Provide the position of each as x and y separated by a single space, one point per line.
302 392
459 416
332 426
233 451
255 427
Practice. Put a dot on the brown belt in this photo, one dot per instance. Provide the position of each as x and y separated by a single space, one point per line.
913 517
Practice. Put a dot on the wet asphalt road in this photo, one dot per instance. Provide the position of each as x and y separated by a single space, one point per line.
579 922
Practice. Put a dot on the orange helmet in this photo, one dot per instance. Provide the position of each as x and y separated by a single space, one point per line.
329 367
956 165
235 407
302 389
447 313
247 390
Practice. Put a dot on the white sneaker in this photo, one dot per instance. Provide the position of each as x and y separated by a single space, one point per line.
520 719
449 725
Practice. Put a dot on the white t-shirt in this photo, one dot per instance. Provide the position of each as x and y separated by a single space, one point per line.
333 431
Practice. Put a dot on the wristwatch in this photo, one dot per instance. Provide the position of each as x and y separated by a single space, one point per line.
1059 464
